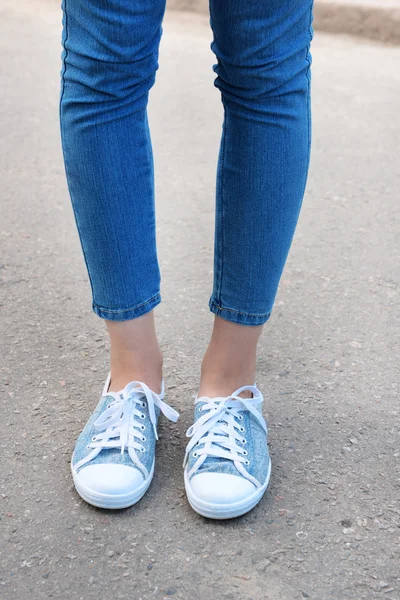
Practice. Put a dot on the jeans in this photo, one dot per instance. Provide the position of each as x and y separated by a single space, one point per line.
110 59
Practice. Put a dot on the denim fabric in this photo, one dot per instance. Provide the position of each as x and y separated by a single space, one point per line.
110 60
256 446
113 455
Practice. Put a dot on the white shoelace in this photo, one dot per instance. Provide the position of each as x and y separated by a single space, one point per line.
121 424
219 429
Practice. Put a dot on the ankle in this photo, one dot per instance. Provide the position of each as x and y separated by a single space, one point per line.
230 360
135 353
221 379
120 380
136 367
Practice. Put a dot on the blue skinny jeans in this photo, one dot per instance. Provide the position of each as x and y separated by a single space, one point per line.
110 59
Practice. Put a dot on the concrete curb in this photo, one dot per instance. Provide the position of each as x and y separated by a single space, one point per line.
361 18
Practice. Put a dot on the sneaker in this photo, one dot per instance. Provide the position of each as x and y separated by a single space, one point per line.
227 463
113 460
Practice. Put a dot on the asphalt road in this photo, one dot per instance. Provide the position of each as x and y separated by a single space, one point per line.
328 528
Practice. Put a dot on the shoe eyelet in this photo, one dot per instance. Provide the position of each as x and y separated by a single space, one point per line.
142 416
245 453
142 427
144 438
143 404
94 438
194 454
240 417
88 448
143 450
247 462
244 441
242 430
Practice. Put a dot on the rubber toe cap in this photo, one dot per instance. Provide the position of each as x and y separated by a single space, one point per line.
221 488
110 479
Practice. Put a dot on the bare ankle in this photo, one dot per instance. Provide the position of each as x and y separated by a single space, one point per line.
135 353
136 369
222 386
221 378
230 360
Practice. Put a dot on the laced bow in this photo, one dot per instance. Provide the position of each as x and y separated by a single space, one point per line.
120 426
218 430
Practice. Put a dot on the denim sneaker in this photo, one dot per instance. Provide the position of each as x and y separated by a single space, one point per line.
113 460
227 463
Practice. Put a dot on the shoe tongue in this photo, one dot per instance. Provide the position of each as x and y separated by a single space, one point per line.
202 399
205 399
111 396
120 394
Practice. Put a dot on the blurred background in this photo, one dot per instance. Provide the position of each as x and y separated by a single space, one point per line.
373 19
328 528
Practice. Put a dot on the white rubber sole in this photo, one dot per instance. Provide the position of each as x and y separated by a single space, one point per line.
111 501
225 511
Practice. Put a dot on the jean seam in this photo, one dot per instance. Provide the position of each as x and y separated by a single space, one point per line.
62 140
238 312
65 55
130 308
221 202
308 70
308 74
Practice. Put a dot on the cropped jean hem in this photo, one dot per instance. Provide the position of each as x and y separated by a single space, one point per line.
125 314
236 316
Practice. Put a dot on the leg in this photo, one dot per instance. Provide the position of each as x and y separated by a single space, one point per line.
109 63
263 57
110 60
135 353
230 359
263 68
